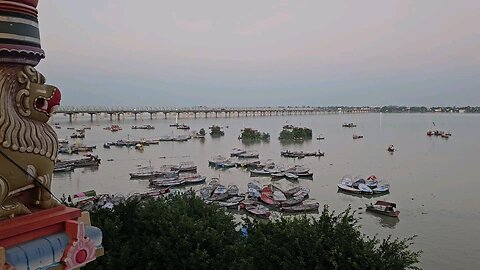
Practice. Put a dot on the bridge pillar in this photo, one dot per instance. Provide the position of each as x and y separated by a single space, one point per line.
91 116
195 114
216 114
70 117
135 116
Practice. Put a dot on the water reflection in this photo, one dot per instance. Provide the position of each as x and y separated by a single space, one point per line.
385 221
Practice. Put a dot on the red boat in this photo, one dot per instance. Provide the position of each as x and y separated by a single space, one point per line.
267 196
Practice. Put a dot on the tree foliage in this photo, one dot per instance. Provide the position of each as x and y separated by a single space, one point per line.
253 135
185 233
216 131
295 134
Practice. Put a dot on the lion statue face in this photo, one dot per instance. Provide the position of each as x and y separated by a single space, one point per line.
26 104
37 101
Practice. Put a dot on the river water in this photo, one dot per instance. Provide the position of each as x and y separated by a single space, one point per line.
434 181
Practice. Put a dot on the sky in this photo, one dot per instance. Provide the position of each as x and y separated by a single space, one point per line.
262 53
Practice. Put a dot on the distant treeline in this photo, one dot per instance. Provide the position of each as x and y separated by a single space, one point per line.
423 109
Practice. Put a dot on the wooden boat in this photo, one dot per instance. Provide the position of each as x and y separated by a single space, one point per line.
260 172
232 190
365 189
346 180
63 168
348 189
206 192
107 145
253 193
291 176
249 154
278 196
303 192
233 202
267 196
384 208
219 194
167 182
305 174
278 175
290 192
292 201
217 160
320 137
193 179
237 151
185 167
258 210
254 186
300 208
385 188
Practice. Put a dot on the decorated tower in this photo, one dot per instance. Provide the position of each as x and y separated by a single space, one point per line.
35 230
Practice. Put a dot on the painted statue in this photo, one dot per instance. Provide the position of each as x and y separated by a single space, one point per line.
28 144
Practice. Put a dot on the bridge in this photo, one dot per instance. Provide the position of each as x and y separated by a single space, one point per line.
184 112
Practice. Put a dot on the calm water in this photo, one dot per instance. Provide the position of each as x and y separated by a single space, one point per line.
434 181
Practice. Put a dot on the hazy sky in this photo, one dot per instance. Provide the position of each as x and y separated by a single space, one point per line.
224 52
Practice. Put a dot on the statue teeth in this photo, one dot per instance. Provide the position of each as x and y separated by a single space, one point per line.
45 105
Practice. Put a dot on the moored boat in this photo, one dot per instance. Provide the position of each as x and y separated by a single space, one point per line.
384 208
293 201
300 208
257 210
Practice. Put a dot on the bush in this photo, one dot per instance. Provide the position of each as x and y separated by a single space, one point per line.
253 135
216 131
185 233
295 134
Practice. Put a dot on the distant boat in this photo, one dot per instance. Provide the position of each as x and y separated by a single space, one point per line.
349 125
391 148
183 126
143 127
321 137
356 136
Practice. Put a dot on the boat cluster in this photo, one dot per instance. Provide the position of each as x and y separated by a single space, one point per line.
165 171
258 201
370 186
301 154
65 148
89 201
130 143
256 167
439 133
88 160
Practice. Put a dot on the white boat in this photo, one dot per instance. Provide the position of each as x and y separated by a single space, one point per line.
348 189
365 189
279 196
291 176
381 189
346 180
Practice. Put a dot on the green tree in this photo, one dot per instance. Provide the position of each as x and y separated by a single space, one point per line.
183 232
